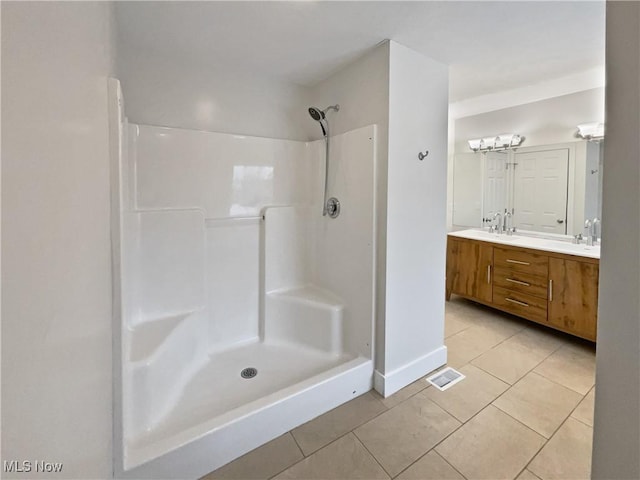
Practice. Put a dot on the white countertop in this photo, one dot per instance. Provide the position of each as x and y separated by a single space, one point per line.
530 241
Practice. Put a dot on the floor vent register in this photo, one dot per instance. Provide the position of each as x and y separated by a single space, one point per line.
445 378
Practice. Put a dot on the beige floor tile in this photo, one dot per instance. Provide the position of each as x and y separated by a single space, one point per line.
500 322
460 304
456 361
572 365
403 394
455 322
508 362
515 357
430 467
403 434
326 428
471 343
527 475
466 398
472 310
539 403
584 411
540 339
263 462
345 458
567 455
492 445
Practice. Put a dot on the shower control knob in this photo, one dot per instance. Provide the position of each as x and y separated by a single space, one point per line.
333 207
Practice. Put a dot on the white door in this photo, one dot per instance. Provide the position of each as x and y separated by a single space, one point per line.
540 191
495 185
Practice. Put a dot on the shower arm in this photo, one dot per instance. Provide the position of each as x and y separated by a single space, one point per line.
335 108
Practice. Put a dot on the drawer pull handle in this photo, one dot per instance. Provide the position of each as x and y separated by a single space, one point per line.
550 290
517 261
488 273
519 282
517 302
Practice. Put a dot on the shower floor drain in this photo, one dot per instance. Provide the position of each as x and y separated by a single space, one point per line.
249 372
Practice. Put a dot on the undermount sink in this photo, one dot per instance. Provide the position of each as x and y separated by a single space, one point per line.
573 247
503 237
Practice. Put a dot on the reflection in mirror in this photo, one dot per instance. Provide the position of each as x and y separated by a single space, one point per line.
467 190
540 190
593 183
495 186
548 189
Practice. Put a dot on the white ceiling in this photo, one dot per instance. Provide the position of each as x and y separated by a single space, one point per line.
490 46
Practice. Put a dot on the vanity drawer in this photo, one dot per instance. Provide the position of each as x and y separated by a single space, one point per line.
521 261
522 282
527 306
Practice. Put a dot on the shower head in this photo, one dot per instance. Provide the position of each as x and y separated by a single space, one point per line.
316 114
320 117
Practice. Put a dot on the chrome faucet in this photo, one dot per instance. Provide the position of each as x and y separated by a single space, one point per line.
498 216
505 225
590 226
587 227
595 224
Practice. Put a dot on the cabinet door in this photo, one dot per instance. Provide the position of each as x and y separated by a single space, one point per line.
573 296
469 269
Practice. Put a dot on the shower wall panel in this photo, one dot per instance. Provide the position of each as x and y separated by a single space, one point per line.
225 175
229 179
170 264
344 246
289 242
232 286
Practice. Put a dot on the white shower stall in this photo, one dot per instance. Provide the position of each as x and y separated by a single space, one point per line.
227 269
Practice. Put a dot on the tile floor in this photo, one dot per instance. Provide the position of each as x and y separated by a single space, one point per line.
525 411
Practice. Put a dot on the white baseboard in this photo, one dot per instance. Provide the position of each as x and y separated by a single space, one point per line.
399 378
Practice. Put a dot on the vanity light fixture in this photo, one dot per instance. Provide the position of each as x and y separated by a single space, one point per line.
592 132
475 144
503 141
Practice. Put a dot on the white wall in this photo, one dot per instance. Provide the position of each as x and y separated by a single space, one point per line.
362 90
56 310
410 317
416 221
544 122
174 92
616 440
554 87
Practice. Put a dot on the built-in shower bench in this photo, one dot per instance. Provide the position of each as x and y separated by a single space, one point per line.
306 314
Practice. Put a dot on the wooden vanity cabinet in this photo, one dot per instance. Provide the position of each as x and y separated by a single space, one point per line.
557 290
573 296
520 282
469 269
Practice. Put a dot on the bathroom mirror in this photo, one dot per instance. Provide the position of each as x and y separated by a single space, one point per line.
549 189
